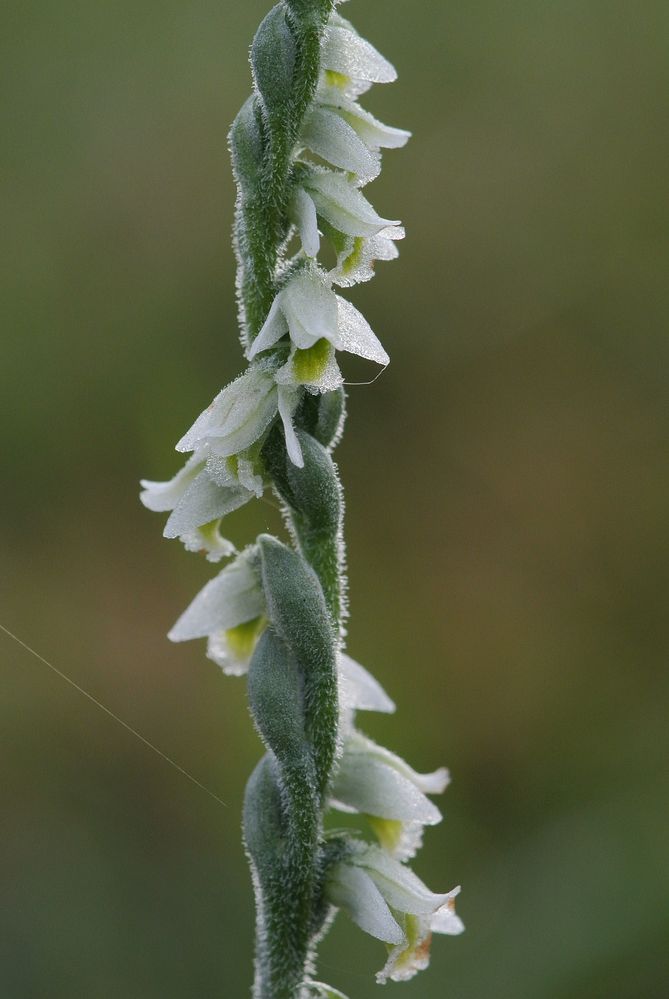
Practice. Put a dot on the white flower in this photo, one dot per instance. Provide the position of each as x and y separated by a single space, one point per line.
377 783
388 901
237 417
197 505
406 959
310 312
333 197
351 58
230 612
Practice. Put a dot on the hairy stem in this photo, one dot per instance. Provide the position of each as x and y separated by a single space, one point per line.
293 674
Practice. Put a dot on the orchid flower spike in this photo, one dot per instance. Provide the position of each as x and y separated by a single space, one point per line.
303 149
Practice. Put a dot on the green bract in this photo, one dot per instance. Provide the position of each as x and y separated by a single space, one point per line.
302 150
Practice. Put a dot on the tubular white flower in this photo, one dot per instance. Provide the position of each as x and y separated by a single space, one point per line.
237 417
345 53
232 598
335 199
203 502
197 506
379 784
309 311
388 901
407 959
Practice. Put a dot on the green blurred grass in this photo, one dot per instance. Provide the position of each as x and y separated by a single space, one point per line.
507 489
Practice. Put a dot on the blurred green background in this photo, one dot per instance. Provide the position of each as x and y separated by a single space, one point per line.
507 492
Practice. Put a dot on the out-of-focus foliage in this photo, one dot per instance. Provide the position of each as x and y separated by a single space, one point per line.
507 485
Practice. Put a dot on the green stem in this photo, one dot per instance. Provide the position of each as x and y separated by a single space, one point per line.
293 674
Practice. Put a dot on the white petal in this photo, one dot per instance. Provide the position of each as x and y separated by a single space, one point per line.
238 415
373 132
303 213
209 540
163 496
345 52
445 919
402 889
356 335
405 961
219 653
402 840
343 205
203 502
272 329
288 401
352 889
433 783
310 308
372 787
359 689
330 137
231 598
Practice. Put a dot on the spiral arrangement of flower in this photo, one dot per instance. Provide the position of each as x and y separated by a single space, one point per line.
302 149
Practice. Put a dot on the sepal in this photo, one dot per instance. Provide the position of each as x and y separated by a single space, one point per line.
238 415
233 597
326 134
359 690
344 52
